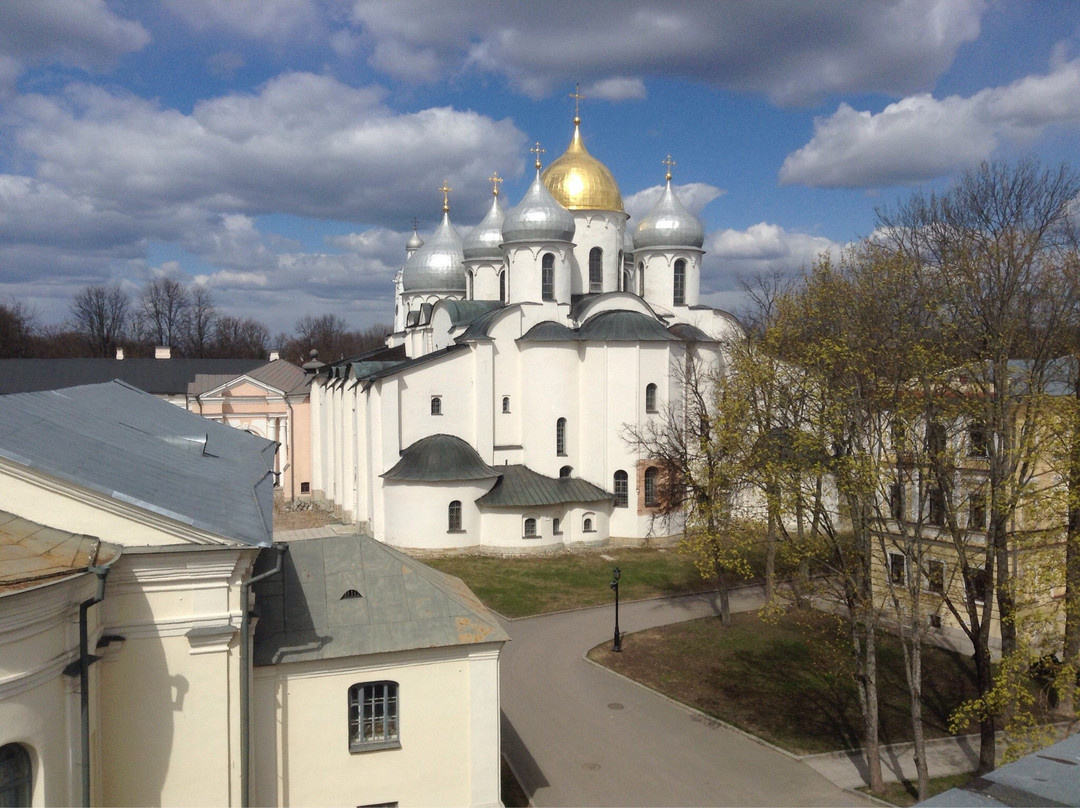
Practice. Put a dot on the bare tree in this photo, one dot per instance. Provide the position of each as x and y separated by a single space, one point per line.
100 316
199 323
18 330
163 308
240 338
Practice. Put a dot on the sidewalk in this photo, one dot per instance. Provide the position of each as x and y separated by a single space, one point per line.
314 532
847 769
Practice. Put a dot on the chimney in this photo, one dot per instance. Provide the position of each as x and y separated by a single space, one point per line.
162 352
119 353
275 356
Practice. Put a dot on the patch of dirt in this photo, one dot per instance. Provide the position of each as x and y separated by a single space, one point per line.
300 515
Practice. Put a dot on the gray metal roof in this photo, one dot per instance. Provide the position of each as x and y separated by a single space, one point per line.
465 311
549 331
478 329
689 333
521 487
623 326
440 458
32 554
139 449
304 613
158 376
1050 776
279 374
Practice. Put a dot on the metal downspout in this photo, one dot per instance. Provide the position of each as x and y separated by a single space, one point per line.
245 675
102 573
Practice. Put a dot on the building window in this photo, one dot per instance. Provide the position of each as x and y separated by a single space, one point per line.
566 471
651 476
16 775
977 443
453 516
468 286
560 437
502 286
935 439
436 405
641 278
587 525
678 292
936 499
547 277
506 405
897 569
373 716
556 526
650 398
977 583
976 510
596 270
305 488
896 501
935 577
622 489
530 528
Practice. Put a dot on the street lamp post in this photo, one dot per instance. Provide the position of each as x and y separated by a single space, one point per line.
615 575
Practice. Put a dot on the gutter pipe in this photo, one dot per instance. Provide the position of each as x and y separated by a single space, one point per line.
85 660
246 672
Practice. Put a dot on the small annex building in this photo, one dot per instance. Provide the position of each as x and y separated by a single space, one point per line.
132 535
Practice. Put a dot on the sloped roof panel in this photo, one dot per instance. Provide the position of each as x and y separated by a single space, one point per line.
549 331
520 487
440 458
623 326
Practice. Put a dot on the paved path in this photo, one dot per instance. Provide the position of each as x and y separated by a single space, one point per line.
577 734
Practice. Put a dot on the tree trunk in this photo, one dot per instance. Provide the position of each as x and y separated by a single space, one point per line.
723 591
770 557
984 681
915 685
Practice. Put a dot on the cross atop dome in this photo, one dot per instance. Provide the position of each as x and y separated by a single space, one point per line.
495 181
537 150
667 161
445 189
578 98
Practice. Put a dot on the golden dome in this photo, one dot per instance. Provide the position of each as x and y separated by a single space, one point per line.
580 181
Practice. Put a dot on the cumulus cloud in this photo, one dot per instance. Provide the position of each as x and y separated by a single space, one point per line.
921 137
275 21
694 195
616 89
794 52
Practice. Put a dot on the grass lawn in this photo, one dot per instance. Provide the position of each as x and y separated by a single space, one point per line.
905 793
788 681
521 586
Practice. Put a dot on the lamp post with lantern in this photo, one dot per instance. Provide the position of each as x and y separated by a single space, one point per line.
615 575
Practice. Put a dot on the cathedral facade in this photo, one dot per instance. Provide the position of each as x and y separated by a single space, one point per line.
522 355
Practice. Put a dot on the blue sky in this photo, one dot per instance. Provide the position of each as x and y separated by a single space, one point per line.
278 150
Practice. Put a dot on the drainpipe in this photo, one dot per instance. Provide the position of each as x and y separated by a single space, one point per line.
290 423
85 660
245 675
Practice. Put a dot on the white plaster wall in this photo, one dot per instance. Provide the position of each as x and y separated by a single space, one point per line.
603 229
450 378
416 513
505 528
550 376
449 731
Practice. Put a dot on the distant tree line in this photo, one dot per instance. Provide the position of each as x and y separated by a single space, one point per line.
168 313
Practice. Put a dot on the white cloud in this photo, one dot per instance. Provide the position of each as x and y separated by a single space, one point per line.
276 21
921 137
731 255
616 89
694 195
794 52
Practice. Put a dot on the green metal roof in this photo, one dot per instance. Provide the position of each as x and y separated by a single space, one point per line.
521 487
623 326
440 458
549 331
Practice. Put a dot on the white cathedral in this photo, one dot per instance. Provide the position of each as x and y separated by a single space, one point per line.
497 416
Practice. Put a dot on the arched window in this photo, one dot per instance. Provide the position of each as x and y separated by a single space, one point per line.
560 437
502 286
587 525
506 404
453 515
547 282
678 293
556 526
621 484
436 405
650 398
596 270
16 775
565 471
469 286
530 528
641 278
373 716
652 474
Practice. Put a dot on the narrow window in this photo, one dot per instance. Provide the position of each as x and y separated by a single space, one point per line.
897 569
453 516
502 286
586 525
547 283
651 475
977 443
977 583
436 405
556 526
530 528
650 398
468 286
373 716
935 439
896 501
641 278
560 437
596 270
935 577
622 489
506 405
678 293
977 510
16 775
936 499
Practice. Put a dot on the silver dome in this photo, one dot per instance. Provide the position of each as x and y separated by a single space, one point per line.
669 224
438 266
414 242
484 240
538 217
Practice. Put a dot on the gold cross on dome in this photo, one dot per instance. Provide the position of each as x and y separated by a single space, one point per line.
578 98
669 163
495 181
445 189
537 150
